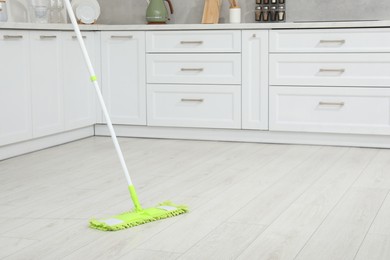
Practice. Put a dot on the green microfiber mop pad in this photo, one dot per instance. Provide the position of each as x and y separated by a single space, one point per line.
138 217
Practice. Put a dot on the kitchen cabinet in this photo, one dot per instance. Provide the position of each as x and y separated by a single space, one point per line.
47 82
123 76
15 88
255 79
79 94
194 79
330 81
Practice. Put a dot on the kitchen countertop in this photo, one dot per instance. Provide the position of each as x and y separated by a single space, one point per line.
226 26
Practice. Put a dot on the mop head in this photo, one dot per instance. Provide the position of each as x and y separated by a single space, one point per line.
135 218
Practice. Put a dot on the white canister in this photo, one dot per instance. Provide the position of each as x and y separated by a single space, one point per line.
235 15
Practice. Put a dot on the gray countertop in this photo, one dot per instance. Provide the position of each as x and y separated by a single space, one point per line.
241 26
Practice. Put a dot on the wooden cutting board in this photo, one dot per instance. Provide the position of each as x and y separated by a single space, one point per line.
211 11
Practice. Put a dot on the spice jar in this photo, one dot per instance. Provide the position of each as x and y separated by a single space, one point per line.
273 14
258 13
265 14
281 13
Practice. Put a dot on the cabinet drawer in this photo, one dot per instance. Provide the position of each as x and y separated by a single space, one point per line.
194 68
194 106
335 40
330 69
331 110
193 41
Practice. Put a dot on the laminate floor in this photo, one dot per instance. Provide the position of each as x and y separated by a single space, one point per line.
247 201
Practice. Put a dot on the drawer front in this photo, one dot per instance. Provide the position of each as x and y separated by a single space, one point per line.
335 40
330 110
193 41
330 69
194 106
194 68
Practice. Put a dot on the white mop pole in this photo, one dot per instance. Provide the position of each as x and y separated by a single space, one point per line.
102 104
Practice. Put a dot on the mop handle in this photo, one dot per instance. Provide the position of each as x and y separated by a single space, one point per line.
102 104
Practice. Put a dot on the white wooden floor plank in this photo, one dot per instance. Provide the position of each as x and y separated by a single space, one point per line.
381 224
266 207
41 229
284 238
149 255
342 232
10 246
60 244
375 247
235 236
377 174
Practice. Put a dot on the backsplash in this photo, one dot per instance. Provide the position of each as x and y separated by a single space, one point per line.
191 11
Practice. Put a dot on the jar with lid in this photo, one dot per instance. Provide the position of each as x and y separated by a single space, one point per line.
281 13
3 11
258 14
265 14
273 14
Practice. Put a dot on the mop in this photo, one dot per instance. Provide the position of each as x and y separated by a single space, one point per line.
138 215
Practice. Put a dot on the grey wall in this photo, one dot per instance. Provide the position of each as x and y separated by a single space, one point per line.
190 11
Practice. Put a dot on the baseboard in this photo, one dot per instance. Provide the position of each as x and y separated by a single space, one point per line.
32 145
354 140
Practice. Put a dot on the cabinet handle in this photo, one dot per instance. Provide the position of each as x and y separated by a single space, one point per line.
42 37
191 42
323 103
340 42
341 71
121 36
7 37
192 100
192 69
75 37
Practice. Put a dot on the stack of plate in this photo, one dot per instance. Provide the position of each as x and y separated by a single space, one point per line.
86 11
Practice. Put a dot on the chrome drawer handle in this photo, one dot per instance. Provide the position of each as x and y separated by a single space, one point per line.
6 37
192 100
42 37
192 69
121 36
341 71
75 37
191 42
322 103
340 42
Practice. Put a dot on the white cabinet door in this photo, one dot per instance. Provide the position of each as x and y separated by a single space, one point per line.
46 81
255 80
79 96
123 76
15 92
